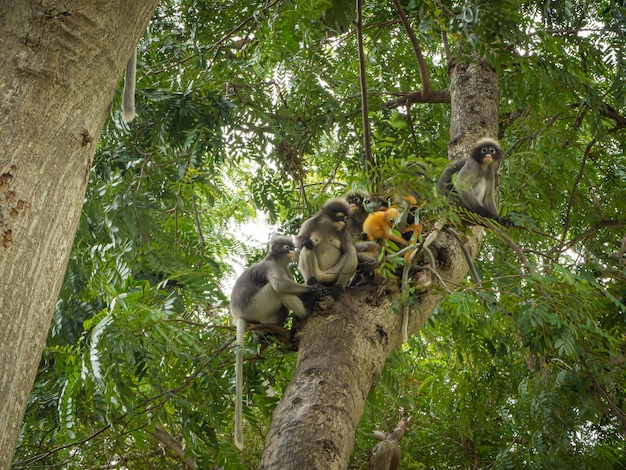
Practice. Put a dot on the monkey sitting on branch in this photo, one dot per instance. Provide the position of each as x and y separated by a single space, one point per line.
264 293
474 188
328 256
368 252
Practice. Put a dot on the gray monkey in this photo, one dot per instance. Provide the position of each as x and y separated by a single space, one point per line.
264 293
328 256
475 187
367 251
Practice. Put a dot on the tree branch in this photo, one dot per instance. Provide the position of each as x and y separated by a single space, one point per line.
411 97
421 63
367 145
199 228
573 191
589 232
168 441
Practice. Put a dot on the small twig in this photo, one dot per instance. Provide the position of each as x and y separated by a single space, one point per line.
409 98
199 229
367 145
468 258
421 63
573 191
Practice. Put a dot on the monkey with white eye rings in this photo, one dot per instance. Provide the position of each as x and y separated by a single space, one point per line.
357 213
475 186
367 251
328 256
264 293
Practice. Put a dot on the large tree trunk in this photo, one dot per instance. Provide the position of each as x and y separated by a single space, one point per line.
60 65
343 350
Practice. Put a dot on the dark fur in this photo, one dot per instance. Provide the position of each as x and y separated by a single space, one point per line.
475 186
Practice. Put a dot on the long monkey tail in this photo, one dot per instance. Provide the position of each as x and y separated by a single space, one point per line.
128 97
241 328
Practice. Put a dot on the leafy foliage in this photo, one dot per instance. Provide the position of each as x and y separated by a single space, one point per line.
249 108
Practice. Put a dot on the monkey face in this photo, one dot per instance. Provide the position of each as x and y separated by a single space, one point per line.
355 201
339 220
391 215
283 246
337 211
486 151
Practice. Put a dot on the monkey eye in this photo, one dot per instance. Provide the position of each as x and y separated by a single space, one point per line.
492 150
483 150
287 247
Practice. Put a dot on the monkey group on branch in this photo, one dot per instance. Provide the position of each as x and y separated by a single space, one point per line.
329 258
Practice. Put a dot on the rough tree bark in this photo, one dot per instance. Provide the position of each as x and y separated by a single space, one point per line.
60 65
343 350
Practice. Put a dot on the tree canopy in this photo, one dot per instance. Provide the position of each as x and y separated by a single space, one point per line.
249 117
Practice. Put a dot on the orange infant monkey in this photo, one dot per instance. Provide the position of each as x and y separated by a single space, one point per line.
379 224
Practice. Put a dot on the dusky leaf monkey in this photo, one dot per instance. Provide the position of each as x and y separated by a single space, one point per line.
357 203
475 186
264 293
367 251
379 226
328 256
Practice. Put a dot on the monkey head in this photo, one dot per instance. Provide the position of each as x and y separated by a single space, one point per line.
355 201
487 151
283 248
337 211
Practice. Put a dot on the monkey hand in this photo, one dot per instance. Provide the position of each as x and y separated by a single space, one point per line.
335 291
307 243
319 290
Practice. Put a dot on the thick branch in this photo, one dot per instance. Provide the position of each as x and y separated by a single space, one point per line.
386 454
342 350
411 97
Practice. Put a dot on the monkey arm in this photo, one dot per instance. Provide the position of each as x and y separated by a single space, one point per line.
345 267
306 242
306 230
445 180
283 285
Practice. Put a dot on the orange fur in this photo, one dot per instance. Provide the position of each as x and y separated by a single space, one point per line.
378 226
